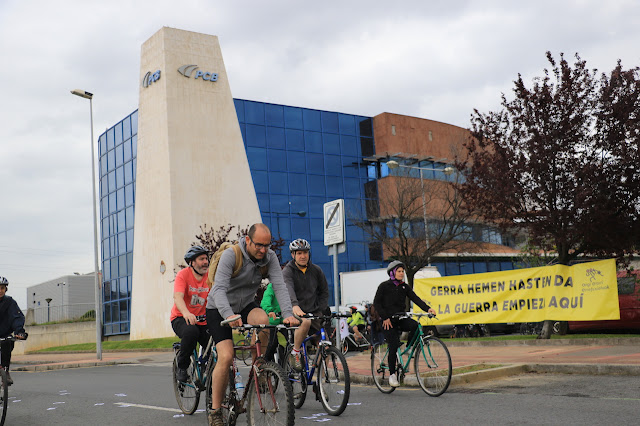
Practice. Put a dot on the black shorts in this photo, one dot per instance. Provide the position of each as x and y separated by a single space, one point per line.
220 332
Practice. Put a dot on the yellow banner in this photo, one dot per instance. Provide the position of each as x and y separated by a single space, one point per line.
587 291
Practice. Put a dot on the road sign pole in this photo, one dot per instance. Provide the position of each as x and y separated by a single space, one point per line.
336 292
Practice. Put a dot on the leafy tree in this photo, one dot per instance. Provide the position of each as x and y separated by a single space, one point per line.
398 225
560 162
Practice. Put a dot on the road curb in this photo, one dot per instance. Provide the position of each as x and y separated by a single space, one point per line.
49 367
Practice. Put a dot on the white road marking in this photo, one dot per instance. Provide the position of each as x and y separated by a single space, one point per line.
150 407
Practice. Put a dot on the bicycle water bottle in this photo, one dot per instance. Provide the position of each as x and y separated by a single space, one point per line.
239 384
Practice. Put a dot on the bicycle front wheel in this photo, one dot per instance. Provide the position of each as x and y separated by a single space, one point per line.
334 383
380 367
432 364
270 399
187 395
4 395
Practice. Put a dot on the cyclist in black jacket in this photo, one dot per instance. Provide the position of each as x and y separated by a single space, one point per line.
11 321
390 299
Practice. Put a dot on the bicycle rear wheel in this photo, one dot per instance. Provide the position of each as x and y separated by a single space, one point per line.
4 395
187 395
432 364
270 399
298 379
380 367
334 382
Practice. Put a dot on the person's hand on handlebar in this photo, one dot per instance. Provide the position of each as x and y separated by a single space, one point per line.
21 336
291 321
190 318
272 315
432 311
236 323
297 311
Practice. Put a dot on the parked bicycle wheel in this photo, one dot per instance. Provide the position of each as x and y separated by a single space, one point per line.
432 364
345 346
4 394
270 400
298 380
380 367
187 395
334 383
243 354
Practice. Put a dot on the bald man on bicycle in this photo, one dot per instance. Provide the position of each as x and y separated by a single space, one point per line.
390 299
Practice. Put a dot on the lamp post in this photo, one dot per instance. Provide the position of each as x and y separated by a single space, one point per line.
61 285
301 213
98 302
392 164
48 299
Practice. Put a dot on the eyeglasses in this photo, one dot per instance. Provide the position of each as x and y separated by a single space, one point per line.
260 246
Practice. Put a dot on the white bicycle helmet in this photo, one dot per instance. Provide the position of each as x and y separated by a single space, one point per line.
299 245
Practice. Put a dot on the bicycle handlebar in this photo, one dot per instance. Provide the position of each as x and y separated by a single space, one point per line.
415 314
230 320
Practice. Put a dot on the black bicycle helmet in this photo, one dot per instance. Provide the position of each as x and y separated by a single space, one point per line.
393 265
4 281
193 252
299 245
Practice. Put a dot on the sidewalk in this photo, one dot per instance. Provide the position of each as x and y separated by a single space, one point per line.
579 356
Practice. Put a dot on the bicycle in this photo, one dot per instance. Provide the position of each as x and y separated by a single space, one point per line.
351 342
432 362
188 393
333 384
268 396
244 355
4 389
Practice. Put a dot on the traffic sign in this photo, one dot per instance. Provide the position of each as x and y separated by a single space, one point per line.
333 222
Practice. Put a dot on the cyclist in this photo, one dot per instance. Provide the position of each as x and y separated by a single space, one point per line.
190 291
309 292
390 299
356 323
11 321
236 295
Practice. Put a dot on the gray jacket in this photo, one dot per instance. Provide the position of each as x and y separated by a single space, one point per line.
231 295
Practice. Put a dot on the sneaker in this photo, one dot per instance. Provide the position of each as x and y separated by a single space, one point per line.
215 418
393 381
9 379
295 361
181 375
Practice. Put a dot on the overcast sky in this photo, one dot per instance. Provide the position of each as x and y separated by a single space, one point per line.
432 59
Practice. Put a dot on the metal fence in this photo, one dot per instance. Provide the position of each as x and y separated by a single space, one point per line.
76 311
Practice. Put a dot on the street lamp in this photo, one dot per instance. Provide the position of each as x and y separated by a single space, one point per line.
61 285
98 303
392 164
301 213
48 299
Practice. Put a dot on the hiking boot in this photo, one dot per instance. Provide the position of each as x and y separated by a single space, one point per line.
393 381
181 375
215 418
295 361
9 379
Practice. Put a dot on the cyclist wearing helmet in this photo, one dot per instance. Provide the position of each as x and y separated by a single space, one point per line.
11 321
356 323
390 299
309 292
190 291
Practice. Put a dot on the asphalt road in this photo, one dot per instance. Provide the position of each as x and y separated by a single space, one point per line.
143 395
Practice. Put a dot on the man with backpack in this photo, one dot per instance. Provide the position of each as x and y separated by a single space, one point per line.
233 293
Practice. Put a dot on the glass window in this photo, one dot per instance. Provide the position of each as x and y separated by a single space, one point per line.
126 128
122 243
128 173
300 226
122 262
112 202
331 143
106 254
347 124
311 119
479 267
352 187
278 184
277 160
296 161
119 177
365 126
317 232
103 143
349 145
279 204
330 122
134 122
315 206
367 148
506 265
124 312
115 311
239 109
263 202
292 117
350 166
253 112
114 267
315 163
275 137
104 206
103 165
107 297
130 240
255 136
315 183
295 140
127 150
129 217
334 187
129 263
313 141
111 160
118 133
440 267
452 268
466 267
257 158
120 198
134 146
297 183
121 221
260 181
104 186
274 115
332 165
110 139
128 195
